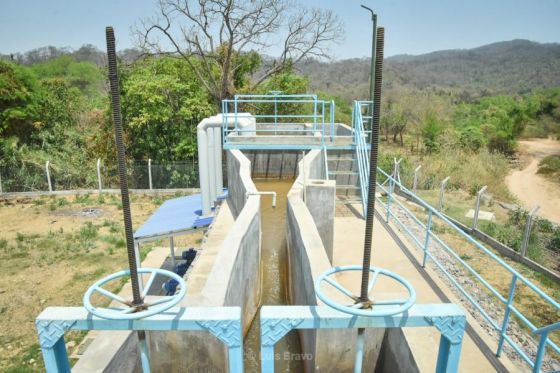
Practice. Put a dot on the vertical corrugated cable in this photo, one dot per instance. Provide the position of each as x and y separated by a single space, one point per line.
373 162
117 120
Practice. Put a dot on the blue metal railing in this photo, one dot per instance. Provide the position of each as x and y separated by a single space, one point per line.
301 114
277 321
423 244
362 149
223 323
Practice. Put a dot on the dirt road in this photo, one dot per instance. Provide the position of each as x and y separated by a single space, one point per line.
531 188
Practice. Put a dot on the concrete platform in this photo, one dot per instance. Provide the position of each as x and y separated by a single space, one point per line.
386 253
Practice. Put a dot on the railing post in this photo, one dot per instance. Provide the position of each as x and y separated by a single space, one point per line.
427 238
477 207
150 173
48 175
540 353
441 192
507 312
415 180
528 230
315 114
99 184
332 119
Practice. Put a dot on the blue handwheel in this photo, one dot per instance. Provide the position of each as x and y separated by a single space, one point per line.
376 307
130 311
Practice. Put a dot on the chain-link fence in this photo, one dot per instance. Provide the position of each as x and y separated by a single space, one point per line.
142 174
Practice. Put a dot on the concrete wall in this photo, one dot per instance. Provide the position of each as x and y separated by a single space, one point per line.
332 350
232 280
320 201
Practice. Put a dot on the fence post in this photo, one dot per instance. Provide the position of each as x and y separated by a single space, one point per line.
397 170
477 207
441 191
427 239
99 184
48 175
528 230
150 173
506 314
390 198
1 191
415 181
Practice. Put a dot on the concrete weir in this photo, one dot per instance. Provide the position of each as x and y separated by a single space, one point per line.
240 263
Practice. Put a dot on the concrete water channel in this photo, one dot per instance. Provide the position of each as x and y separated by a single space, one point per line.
274 288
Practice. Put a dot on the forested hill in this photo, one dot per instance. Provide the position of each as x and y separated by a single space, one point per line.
516 66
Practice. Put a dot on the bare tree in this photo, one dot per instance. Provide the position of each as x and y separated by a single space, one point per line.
213 35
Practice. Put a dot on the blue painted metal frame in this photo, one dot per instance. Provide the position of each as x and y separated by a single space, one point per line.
449 319
509 307
222 322
317 115
362 146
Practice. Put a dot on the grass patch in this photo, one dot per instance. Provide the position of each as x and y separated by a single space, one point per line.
550 167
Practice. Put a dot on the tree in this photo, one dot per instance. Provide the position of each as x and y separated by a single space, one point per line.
18 107
214 36
431 131
162 104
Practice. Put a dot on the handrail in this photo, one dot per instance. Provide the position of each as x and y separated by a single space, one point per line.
307 122
516 276
361 149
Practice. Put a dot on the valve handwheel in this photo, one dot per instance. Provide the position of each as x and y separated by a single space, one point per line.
131 311
376 307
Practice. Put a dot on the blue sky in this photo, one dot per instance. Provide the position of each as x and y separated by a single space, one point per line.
412 27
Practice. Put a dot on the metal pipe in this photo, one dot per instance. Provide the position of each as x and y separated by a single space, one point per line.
150 173
477 207
218 175
203 169
211 164
273 194
372 63
172 250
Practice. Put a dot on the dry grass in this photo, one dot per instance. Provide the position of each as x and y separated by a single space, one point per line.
468 171
50 252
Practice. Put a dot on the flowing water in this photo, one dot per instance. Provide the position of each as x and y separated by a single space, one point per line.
274 280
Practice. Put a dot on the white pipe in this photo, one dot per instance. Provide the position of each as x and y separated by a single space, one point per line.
273 194
203 168
211 163
210 154
218 160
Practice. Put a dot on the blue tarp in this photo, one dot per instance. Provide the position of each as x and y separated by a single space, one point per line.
173 216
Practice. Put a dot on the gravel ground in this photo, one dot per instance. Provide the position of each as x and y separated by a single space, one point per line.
493 307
